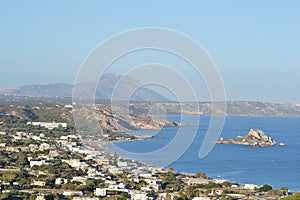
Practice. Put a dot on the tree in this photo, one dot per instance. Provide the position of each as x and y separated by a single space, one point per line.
191 192
168 196
226 184
22 160
284 189
223 195
200 175
123 196
265 188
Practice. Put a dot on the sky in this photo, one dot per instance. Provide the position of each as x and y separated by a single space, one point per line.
255 44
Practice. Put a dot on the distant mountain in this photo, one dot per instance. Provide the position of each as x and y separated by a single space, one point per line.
105 89
37 90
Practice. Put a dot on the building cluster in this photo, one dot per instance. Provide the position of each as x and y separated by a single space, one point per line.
48 125
64 166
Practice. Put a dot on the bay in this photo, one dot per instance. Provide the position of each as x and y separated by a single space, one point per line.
277 165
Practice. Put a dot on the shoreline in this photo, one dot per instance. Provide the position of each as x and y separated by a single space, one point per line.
213 179
103 149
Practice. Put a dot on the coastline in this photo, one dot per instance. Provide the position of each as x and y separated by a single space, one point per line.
215 174
103 149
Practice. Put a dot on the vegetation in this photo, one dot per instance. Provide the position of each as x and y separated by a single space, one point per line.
24 143
295 196
200 175
264 188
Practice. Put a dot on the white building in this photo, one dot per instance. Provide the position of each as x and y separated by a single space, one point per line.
218 191
201 198
250 186
122 164
100 192
37 163
44 146
71 193
59 181
40 197
48 125
2 133
79 179
139 196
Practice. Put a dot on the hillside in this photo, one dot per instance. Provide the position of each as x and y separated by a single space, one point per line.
233 108
113 121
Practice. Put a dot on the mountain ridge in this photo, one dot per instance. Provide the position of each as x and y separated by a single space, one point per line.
105 89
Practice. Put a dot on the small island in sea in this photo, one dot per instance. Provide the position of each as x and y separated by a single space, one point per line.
255 137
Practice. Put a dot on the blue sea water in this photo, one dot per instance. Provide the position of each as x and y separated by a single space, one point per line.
277 165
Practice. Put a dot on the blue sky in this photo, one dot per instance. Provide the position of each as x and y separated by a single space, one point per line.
255 44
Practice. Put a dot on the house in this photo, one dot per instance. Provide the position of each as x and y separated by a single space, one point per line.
237 196
73 162
16 137
218 191
64 137
250 186
139 196
68 106
34 137
163 196
201 198
79 179
73 136
37 163
85 198
39 183
195 181
21 134
59 181
220 181
40 197
146 188
33 147
114 170
145 175
16 185
44 146
73 193
100 192
48 125
122 164
54 153
102 161
76 164
12 149
154 184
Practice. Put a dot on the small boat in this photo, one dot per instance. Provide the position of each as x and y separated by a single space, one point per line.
281 144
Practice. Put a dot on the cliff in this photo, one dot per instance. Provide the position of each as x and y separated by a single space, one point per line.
255 137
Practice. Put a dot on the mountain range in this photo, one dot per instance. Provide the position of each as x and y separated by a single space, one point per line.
105 89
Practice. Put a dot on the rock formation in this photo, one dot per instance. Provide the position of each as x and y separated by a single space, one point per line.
255 137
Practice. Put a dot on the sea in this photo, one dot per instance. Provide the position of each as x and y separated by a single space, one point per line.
274 165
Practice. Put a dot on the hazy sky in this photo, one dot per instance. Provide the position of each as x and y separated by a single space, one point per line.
255 44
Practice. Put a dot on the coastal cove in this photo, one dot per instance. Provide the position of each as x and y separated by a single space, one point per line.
274 165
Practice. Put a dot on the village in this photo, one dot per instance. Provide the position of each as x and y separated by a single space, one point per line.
48 160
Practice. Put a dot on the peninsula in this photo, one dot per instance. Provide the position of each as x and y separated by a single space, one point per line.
255 137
